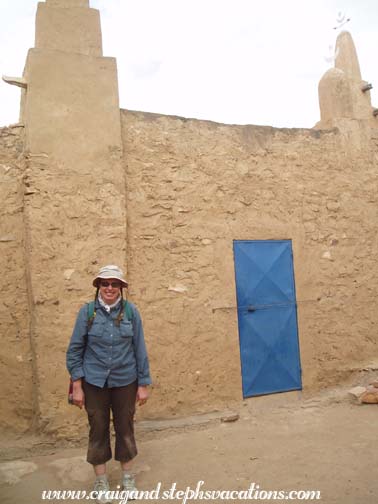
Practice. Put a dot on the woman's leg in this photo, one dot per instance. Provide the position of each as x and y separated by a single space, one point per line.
123 407
97 405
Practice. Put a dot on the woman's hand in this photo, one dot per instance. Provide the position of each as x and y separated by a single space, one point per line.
78 396
142 395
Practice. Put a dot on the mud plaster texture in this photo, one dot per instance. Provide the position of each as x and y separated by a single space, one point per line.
193 187
16 392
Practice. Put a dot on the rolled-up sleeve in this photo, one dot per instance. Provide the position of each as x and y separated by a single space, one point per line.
143 367
76 347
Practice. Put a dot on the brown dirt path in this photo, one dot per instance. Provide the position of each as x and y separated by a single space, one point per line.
280 442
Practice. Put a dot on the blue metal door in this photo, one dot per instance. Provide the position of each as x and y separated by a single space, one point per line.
267 316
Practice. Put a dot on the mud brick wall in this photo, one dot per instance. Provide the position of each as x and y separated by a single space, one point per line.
195 186
16 354
192 187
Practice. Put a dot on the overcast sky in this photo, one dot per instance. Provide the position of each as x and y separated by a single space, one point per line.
231 61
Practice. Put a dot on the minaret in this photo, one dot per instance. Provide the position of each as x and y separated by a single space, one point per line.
74 186
343 95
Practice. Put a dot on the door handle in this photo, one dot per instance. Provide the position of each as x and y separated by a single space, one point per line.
251 309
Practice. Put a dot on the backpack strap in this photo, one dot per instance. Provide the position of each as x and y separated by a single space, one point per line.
91 313
127 311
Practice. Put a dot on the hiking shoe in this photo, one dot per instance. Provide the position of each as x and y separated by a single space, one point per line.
101 486
128 484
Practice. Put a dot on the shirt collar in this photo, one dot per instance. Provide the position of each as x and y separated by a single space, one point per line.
106 306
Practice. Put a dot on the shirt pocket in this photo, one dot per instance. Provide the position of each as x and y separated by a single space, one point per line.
97 329
126 329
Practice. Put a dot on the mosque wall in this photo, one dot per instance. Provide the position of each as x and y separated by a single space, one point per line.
192 188
16 355
195 186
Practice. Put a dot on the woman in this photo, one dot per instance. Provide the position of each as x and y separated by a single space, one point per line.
108 364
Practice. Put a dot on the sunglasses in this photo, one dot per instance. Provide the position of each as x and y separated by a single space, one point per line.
115 285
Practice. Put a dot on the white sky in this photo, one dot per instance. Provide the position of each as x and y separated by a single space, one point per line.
232 61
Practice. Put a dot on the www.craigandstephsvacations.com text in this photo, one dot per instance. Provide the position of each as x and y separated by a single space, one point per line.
254 492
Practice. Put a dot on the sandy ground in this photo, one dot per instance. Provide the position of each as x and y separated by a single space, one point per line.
324 443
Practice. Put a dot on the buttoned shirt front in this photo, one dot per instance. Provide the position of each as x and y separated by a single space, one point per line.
106 353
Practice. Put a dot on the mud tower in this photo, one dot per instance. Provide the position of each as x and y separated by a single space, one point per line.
74 200
343 95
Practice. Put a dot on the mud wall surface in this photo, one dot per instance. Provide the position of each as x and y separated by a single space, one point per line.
192 187
195 186
16 377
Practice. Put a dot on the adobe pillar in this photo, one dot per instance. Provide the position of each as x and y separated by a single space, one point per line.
75 187
343 96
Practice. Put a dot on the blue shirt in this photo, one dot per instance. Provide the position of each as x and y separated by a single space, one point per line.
107 353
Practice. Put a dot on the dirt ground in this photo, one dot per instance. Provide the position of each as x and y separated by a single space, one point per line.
279 442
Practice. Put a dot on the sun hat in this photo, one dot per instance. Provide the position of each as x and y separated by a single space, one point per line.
110 271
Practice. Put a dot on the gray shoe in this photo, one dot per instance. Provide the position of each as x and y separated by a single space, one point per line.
128 484
101 486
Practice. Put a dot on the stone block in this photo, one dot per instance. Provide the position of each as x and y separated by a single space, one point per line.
370 397
357 392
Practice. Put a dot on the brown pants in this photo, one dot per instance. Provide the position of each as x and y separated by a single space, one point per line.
98 402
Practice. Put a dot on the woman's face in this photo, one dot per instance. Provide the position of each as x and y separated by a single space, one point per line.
110 290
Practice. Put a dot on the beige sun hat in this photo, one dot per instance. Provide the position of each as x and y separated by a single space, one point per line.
110 271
